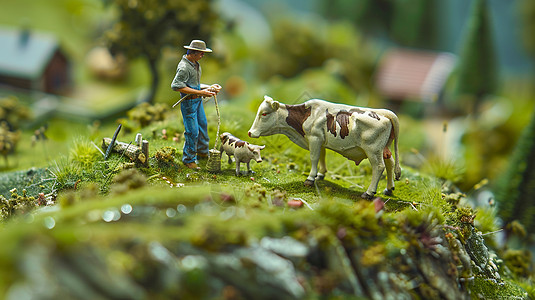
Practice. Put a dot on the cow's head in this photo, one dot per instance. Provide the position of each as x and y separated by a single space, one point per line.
266 119
255 150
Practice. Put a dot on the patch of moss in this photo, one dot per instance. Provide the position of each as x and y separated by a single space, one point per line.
482 288
518 261
35 181
128 180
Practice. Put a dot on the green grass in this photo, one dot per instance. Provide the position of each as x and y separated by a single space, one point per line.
221 211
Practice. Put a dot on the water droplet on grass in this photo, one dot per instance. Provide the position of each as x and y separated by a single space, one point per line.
181 208
111 215
126 209
170 213
50 222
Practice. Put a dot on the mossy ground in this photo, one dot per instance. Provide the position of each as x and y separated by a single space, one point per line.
110 205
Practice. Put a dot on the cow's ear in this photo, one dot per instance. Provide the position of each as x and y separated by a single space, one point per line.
250 147
267 98
275 105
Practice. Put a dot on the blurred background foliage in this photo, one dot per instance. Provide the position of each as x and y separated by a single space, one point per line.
409 23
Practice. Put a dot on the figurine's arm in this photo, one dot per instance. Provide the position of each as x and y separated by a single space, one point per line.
179 84
203 92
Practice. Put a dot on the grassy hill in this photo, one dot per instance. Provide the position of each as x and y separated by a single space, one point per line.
114 229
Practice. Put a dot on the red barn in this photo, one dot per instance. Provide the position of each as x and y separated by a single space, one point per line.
406 74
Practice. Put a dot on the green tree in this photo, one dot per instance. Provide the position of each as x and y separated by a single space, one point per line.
410 23
145 27
516 190
477 67
414 23
296 47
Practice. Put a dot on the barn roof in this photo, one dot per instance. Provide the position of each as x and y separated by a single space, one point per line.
413 74
24 53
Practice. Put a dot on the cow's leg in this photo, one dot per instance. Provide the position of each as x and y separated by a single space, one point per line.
378 166
249 171
314 146
389 163
237 167
323 166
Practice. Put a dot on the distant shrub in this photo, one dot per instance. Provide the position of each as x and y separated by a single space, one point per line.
144 115
13 111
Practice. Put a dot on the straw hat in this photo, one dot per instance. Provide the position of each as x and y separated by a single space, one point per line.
198 45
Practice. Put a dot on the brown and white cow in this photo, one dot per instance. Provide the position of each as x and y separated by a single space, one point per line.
242 151
355 132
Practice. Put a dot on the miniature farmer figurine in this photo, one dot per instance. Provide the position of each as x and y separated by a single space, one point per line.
187 82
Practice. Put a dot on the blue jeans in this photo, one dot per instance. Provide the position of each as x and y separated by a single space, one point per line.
196 130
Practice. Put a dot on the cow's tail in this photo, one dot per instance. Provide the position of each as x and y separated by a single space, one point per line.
395 126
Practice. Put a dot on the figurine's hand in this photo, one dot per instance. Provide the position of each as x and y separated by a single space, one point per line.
215 88
207 93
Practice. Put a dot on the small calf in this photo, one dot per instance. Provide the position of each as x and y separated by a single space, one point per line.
242 151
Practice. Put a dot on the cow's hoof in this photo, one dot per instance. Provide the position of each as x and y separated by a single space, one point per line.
308 182
320 176
366 196
251 172
388 192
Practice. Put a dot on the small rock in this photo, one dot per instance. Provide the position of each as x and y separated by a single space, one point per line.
378 204
295 203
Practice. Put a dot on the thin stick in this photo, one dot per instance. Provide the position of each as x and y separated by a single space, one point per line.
98 149
492 232
181 99
306 203
108 151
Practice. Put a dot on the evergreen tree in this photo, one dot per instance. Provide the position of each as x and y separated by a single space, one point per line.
477 68
145 27
527 17
516 189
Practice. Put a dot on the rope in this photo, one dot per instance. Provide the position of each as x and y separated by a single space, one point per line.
213 164
218 122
